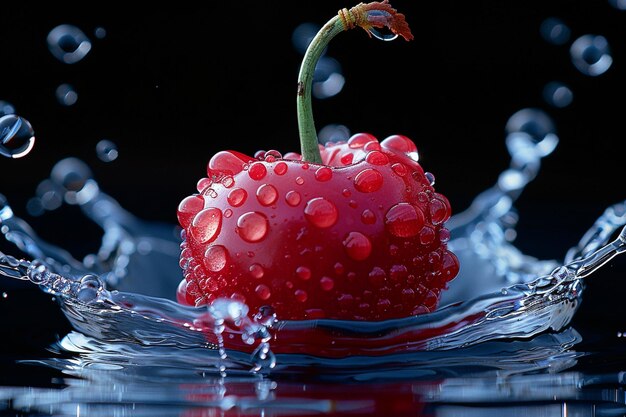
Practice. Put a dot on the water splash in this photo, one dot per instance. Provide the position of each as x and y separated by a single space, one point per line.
501 294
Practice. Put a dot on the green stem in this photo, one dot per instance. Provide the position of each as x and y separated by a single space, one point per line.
364 15
308 136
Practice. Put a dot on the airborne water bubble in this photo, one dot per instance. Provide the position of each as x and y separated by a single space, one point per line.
555 31
68 43
557 94
328 80
66 95
618 4
591 54
534 122
17 136
106 150
6 108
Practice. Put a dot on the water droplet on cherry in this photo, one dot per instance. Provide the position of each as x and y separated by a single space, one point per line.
262 291
323 174
280 168
299 180
303 273
257 171
293 198
256 271
359 140
252 226
357 245
206 224
320 212
237 196
327 283
368 217
215 258
301 296
368 180
188 208
376 157
267 194
404 220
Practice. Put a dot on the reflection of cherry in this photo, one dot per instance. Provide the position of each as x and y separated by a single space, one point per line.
351 231
311 399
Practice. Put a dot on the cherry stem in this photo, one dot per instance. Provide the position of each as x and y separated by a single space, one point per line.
365 15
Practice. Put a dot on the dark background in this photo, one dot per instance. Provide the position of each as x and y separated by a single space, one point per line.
172 86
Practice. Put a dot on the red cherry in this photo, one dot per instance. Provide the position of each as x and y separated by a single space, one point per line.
314 236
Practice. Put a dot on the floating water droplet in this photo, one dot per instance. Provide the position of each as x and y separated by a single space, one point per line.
75 179
557 94
252 226
534 122
17 136
430 177
89 288
333 133
263 357
100 32
328 81
66 95
106 150
591 54
68 44
555 31
6 108
266 316
320 212
302 36
5 295
511 180
383 17
618 4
